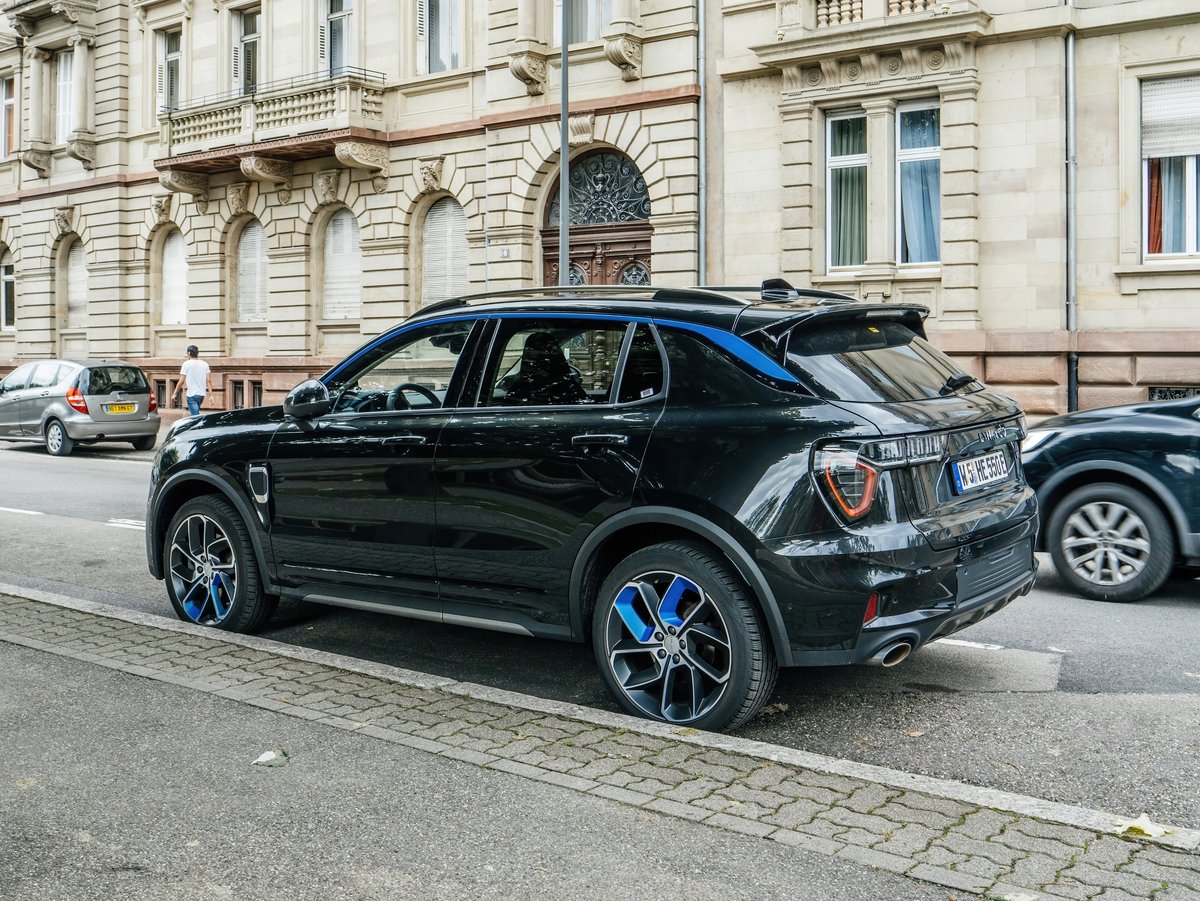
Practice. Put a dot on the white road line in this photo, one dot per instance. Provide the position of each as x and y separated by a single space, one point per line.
26 512
972 644
126 523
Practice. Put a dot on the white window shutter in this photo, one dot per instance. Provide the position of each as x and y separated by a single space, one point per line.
160 80
235 53
1171 117
342 296
252 284
444 267
556 37
66 96
323 47
422 37
77 286
174 280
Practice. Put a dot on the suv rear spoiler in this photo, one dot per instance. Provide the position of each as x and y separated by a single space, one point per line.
770 325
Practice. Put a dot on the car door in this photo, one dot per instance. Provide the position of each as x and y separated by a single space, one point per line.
551 448
40 394
11 391
351 492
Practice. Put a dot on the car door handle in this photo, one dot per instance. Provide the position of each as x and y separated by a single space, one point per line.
404 440
587 440
44 394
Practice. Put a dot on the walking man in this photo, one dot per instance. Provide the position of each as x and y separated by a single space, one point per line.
194 381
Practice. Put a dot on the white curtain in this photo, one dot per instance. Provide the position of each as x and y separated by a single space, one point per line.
174 301
1174 205
920 211
252 284
444 271
342 296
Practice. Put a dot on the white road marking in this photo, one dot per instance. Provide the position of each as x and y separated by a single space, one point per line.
972 644
1057 650
126 523
1192 675
26 512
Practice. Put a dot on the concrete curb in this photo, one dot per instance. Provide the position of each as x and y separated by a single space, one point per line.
1008 802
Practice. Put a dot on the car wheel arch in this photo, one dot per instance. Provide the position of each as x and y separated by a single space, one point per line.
177 491
639 527
1090 472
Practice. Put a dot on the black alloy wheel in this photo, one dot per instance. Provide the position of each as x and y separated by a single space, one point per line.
677 639
211 572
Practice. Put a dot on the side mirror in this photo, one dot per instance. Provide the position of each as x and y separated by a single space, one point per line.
307 400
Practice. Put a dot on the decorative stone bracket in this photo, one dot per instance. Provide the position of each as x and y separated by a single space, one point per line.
582 129
528 65
194 184
372 157
160 208
429 173
64 220
327 184
624 50
276 172
82 146
37 158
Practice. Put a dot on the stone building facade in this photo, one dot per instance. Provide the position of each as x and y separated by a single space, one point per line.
277 180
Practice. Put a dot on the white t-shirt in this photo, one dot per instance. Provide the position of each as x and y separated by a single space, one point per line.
195 371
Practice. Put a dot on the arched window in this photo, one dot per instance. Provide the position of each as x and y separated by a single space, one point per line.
75 287
8 293
342 295
251 274
174 285
444 269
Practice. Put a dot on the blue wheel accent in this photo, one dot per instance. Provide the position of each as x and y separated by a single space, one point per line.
202 570
668 647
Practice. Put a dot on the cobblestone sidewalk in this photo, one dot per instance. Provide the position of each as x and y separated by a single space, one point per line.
965 839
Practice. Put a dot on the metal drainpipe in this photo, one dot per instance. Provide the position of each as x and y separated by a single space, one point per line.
702 224
1072 261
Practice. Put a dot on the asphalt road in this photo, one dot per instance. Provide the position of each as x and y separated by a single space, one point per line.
1075 701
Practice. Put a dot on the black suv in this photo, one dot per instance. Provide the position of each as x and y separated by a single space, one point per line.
706 484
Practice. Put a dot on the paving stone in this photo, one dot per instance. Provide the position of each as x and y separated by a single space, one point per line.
715 804
1176 877
899 812
675 809
868 798
983 824
676 756
767 777
797 812
764 801
892 862
1113 894
1036 871
989 850
600 767
1125 881
740 824
983 868
821 829
806 842
1177 893
667 775
950 878
694 790
650 786
623 795
939 857
851 820
743 766
907 840
1169 857
794 788
1068 835
620 778
1023 841
860 837
1003 892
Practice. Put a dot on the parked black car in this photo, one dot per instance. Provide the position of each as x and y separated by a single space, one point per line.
705 484
1118 495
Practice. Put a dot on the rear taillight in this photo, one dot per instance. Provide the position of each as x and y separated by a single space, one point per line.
872 611
849 480
153 403
75 400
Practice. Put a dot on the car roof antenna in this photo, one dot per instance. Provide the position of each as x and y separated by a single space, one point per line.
777 289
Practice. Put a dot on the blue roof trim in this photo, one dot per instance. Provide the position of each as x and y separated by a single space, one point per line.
727 341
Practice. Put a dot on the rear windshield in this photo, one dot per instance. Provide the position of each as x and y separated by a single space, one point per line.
107 379
872 361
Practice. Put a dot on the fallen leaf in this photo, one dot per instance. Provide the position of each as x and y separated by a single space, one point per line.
772 709
687 731
1055 752
1143 825
916 733
278 757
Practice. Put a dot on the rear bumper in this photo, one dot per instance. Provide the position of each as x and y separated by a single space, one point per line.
84 428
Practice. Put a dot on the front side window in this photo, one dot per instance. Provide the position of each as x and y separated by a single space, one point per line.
247 56
1171 165
174 301
8 293
444 260
337 36
75 276
919 184
169 68
553 363
414 373
438 39
846 189
8 105
64 118
342 296
588 19
252 283
17 379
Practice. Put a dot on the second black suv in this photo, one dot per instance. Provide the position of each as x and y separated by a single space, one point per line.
705 484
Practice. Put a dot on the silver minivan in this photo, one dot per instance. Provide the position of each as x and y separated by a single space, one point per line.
67 402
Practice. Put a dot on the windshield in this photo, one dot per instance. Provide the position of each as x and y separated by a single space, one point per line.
872 361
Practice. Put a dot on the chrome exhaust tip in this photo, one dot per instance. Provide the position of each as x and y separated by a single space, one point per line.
892 654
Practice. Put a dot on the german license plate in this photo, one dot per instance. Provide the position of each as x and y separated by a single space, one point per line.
120 408
979 471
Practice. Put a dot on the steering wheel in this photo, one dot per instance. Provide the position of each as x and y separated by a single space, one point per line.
397 401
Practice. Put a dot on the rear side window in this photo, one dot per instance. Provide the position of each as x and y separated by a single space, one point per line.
643 374
553 362
46 375
107 379
872 361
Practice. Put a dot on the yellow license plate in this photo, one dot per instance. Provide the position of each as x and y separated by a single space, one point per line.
121 408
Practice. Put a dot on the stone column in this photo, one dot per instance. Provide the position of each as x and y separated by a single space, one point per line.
960 205
881 188
797 118
81 66
37 102
527 20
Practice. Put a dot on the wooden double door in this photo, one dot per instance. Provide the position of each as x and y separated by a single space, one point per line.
601 255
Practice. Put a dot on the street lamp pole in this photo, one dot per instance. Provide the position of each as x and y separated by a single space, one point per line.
564 176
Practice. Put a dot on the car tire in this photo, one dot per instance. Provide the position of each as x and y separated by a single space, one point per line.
210 568
58 442
678 639
145 443
1110 542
